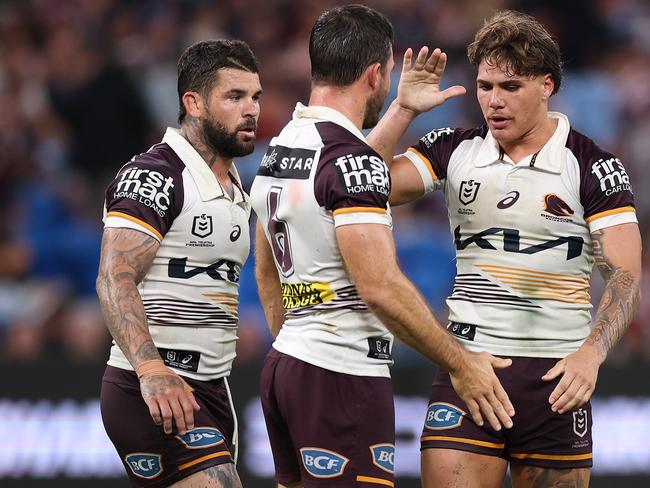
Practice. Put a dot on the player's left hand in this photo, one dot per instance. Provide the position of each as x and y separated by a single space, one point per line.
579 374
419 84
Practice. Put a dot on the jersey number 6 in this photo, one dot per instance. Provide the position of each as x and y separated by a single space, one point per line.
279 233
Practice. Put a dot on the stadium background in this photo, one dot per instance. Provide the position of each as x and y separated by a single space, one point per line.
85 84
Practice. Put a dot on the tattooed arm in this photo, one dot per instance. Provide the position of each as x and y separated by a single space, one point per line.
125 259
617 253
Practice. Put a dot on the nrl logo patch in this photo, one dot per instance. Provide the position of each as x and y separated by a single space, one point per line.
580 422
468 191
202 225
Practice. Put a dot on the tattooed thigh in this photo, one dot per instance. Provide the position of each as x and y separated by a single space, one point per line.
534 477
221 476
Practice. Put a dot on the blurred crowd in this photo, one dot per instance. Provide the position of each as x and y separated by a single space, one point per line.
86 84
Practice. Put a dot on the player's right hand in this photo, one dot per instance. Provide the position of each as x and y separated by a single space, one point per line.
419 85
477 384
169 398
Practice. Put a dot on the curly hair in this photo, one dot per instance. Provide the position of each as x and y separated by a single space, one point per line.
519 44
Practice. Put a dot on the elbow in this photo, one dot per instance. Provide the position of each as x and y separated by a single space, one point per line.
375 294
100 286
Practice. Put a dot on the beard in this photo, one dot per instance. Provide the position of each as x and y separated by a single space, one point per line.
220 141
373 108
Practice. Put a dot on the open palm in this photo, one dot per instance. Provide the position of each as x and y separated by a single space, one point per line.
419 84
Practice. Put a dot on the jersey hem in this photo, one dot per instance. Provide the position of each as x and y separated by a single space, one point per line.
380 371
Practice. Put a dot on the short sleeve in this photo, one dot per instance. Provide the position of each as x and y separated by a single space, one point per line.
432 153
354 186
606 193
146 195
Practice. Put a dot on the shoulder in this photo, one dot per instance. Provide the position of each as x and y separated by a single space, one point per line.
452 137
160 157
585 149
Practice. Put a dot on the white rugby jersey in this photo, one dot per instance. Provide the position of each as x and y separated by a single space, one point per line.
190 293
523 235
318 174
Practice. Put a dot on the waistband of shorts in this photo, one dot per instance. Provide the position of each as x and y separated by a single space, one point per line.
126 376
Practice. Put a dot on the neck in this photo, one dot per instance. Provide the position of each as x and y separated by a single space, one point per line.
218 163
346 100
532 141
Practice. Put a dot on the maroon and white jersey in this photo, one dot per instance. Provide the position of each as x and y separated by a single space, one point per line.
190 293
318 174
523 234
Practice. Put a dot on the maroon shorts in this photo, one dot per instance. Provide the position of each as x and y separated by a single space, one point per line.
539 437
151 457
326 428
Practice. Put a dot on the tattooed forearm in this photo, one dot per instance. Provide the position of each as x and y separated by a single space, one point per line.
619 303
125 258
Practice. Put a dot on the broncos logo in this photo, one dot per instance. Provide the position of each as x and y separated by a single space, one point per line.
556 206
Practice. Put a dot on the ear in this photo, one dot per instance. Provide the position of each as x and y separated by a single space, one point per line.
549 86
373 76
194 104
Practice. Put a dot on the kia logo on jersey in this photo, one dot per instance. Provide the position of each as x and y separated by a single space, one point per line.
468 191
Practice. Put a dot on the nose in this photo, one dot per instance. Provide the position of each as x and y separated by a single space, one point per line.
496 100
252 108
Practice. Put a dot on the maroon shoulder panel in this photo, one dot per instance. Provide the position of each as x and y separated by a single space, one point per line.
149 188
604 183
439 144
349 173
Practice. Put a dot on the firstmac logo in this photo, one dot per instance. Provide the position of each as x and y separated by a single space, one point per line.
611 176
364 173
146 186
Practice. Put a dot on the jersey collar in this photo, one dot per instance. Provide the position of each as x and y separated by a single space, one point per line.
549 157
203 176
326 113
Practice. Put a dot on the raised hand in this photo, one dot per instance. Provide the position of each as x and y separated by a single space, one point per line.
419 84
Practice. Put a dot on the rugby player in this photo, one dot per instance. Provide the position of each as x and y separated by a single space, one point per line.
175 239
532 205
329 282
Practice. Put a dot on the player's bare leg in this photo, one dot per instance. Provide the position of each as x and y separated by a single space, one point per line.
447 468
221 476
534 477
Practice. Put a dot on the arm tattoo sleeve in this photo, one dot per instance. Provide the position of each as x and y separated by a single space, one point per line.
125 258
618 303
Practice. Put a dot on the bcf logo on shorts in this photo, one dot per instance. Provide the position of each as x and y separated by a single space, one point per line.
201 437
442 415
322 463
144 465
383 456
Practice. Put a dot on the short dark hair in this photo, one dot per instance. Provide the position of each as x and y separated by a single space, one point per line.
345 41
198 66
519 44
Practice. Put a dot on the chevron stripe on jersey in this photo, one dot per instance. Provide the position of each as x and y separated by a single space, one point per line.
541 286
188 314
472 287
